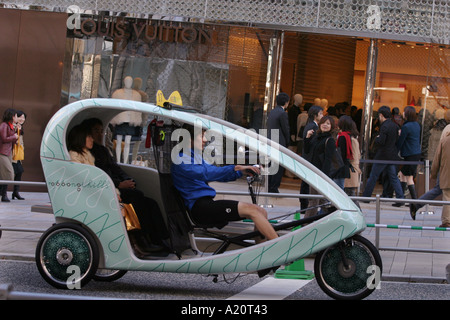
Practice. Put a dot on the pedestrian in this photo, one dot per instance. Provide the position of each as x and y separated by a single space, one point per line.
344 143
302 120
351 147
315 113
17 158
278 125
409 145
293 113
443 128
322 149
386 152
7 138
441 167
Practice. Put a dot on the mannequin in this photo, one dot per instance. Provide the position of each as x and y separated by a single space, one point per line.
137 85
324 104
125 123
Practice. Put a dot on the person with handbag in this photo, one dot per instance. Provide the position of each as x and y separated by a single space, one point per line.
153 237
7 138
324 155
18 154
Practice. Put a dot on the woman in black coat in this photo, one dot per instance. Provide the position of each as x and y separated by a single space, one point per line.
322 148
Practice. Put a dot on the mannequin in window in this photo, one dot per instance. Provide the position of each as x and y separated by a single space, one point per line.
137 85
125 123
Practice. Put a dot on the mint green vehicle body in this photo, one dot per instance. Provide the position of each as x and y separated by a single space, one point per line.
85 195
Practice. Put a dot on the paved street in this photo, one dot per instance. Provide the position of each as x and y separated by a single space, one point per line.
404 267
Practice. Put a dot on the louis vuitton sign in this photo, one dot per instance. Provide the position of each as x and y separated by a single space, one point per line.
147 31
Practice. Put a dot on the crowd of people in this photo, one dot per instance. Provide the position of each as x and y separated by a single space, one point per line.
322 133
11 151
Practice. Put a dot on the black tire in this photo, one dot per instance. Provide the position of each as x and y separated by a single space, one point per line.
67 256
355 282
108 275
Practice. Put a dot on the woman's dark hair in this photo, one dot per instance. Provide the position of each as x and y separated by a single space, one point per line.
410 113
76 140
325 118
347 124
20 113
8 115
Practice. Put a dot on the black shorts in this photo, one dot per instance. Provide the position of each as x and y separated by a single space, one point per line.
410 169
218 213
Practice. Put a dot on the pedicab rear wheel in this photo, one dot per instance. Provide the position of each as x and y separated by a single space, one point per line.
354 278
67 256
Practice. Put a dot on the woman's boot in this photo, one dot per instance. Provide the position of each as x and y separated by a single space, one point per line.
16 194
412 207
3 189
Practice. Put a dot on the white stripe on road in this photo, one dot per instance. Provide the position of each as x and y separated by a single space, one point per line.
270 289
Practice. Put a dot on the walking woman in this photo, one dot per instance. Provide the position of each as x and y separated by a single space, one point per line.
348 127
7 138
409 145
17 159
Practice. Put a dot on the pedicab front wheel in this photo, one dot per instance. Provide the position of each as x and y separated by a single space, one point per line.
67 256
108 275
349 270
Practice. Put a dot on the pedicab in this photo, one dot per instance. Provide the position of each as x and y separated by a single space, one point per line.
89 239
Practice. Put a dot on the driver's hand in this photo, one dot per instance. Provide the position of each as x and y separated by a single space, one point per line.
253 170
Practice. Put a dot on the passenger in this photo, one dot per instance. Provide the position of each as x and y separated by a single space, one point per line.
191 175
146 242
79 143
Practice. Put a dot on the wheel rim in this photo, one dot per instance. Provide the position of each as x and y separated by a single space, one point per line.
348 281
64 248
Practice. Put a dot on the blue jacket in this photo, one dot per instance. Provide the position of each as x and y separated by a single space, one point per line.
409 141
192 174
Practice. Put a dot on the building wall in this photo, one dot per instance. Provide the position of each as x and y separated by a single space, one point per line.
32 50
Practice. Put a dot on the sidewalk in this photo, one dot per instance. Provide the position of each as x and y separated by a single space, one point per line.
397 265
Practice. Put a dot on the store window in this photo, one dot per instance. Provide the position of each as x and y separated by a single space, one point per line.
220 71
407 74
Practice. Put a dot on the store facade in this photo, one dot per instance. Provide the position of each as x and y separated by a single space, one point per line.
230 61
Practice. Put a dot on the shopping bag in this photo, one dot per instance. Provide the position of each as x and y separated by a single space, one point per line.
131 218
18 152
139 162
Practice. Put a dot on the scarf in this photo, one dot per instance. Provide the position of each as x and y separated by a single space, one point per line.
348 142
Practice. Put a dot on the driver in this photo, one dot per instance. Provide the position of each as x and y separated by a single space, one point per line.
191 175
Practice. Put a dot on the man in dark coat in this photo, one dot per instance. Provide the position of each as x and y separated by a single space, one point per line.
278 123
387 152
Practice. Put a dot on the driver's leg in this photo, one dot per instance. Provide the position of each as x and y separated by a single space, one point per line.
259 217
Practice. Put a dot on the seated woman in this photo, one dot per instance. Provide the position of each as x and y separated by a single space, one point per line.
79 142
191 176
